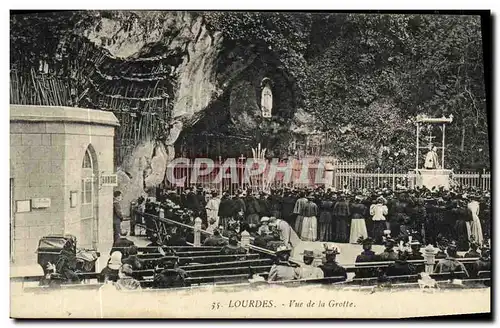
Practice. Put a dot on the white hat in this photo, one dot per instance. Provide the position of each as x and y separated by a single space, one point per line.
264 219
331 248
282 249
115 262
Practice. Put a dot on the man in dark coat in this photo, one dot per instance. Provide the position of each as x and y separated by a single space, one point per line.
192 201
202 201
288 204
117 214
225 210
239 204
252 209
264 205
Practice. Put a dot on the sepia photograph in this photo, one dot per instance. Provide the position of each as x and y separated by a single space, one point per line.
250 164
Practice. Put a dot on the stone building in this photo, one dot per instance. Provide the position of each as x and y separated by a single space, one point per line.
61 177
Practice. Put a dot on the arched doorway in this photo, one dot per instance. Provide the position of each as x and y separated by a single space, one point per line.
89 201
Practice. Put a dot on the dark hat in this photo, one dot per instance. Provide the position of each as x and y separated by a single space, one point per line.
365 241
474 244
308 253
452 245
331 249
390 241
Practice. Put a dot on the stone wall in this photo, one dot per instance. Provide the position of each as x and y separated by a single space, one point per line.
47 146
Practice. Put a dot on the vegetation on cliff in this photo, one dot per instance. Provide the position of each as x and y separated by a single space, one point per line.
363 77
366 76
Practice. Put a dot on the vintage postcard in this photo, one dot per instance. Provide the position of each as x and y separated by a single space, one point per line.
233 164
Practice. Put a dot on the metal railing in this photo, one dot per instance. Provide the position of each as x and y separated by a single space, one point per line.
353 175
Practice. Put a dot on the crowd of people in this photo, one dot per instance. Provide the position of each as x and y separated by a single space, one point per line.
341 216
401 220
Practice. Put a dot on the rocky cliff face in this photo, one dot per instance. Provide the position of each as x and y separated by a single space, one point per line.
184 37
168 77
178 33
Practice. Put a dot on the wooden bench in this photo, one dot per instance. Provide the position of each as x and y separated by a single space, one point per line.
46 289
219 279
484 274
207 258
228 271
250 262
180 254
220 265
298 282
391 279
175 248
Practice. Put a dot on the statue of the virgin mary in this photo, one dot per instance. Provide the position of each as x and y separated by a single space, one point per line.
266 102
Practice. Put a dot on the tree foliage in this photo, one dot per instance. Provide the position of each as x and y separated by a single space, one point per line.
416 64
366 76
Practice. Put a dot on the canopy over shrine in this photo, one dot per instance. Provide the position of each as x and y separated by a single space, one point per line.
425 120
434 175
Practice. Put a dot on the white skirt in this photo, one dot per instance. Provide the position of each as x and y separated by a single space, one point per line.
309 229
476 230
358 229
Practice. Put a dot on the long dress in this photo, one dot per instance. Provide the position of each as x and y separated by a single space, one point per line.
253 209
310 224
460 231
213 212
299 211
325 222
358 225
341 214
475 225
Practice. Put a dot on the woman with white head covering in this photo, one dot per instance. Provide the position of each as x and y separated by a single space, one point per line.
110 272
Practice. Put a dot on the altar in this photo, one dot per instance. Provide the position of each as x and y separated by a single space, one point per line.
433 178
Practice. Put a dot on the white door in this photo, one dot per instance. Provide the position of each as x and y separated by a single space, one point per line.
88 223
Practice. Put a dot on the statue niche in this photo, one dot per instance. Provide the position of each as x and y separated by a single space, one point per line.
266 100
